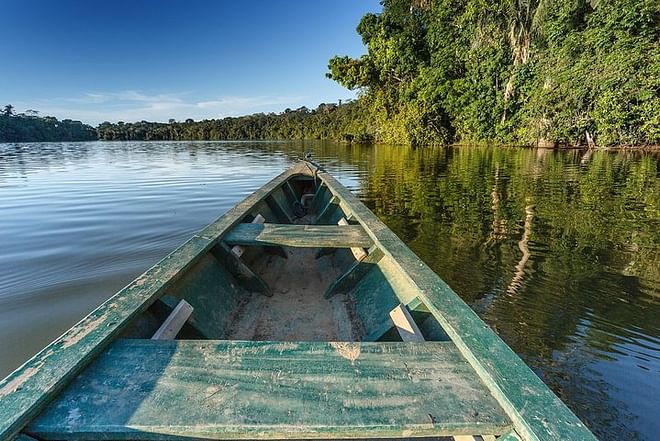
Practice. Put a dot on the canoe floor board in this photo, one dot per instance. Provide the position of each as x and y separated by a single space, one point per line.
297 311
236 389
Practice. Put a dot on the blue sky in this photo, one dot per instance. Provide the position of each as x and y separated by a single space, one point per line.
155 60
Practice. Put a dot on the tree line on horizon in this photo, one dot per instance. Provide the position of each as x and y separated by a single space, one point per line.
345 122
526 72
30 127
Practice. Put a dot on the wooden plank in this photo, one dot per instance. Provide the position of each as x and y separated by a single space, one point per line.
464 438
488 437
272 390
174 322
29 388
318 197
536 412
239 250
235 215
405 324
379 332
23 437
288 189
243 274
306 236
305 198
358 253
279 212
510 436
328 210
347 281
417 305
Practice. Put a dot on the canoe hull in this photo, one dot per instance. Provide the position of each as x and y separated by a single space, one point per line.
300 260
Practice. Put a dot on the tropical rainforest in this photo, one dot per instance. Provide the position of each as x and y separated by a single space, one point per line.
510 71
526 72
30 127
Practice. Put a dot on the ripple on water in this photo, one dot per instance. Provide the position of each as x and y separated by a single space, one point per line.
558 251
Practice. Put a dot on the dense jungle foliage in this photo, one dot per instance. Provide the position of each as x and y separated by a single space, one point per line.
512 71
29 126
532 72
347 122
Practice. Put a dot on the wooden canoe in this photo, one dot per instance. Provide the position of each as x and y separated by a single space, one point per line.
296 315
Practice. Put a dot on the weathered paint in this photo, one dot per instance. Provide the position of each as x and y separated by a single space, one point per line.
30 387
214 293
272 390
280 213
318 198
239 270
536 412
400 277
356 272
325 215
307 236
26 391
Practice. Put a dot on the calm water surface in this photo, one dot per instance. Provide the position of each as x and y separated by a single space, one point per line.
559 252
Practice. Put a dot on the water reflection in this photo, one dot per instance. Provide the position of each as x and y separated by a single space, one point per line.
557 251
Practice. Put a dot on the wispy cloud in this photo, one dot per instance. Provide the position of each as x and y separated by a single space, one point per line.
131 105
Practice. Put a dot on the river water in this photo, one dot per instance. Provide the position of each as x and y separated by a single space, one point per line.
558 251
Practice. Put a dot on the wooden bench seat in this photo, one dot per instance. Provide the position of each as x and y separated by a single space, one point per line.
308 236
159 389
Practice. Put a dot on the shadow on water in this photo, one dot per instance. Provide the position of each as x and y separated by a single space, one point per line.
558 251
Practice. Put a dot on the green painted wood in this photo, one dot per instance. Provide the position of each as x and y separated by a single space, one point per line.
215 293
347 281
510 436
235 215
24 437
243 274
328 211
278 211
30 387
536 412
379 332
290 193
307 236
417 305
372 299
141 389
318 198
279 195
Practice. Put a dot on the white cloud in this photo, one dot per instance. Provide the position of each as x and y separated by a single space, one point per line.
131 105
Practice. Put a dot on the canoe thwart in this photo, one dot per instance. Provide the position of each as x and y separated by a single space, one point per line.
305 236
